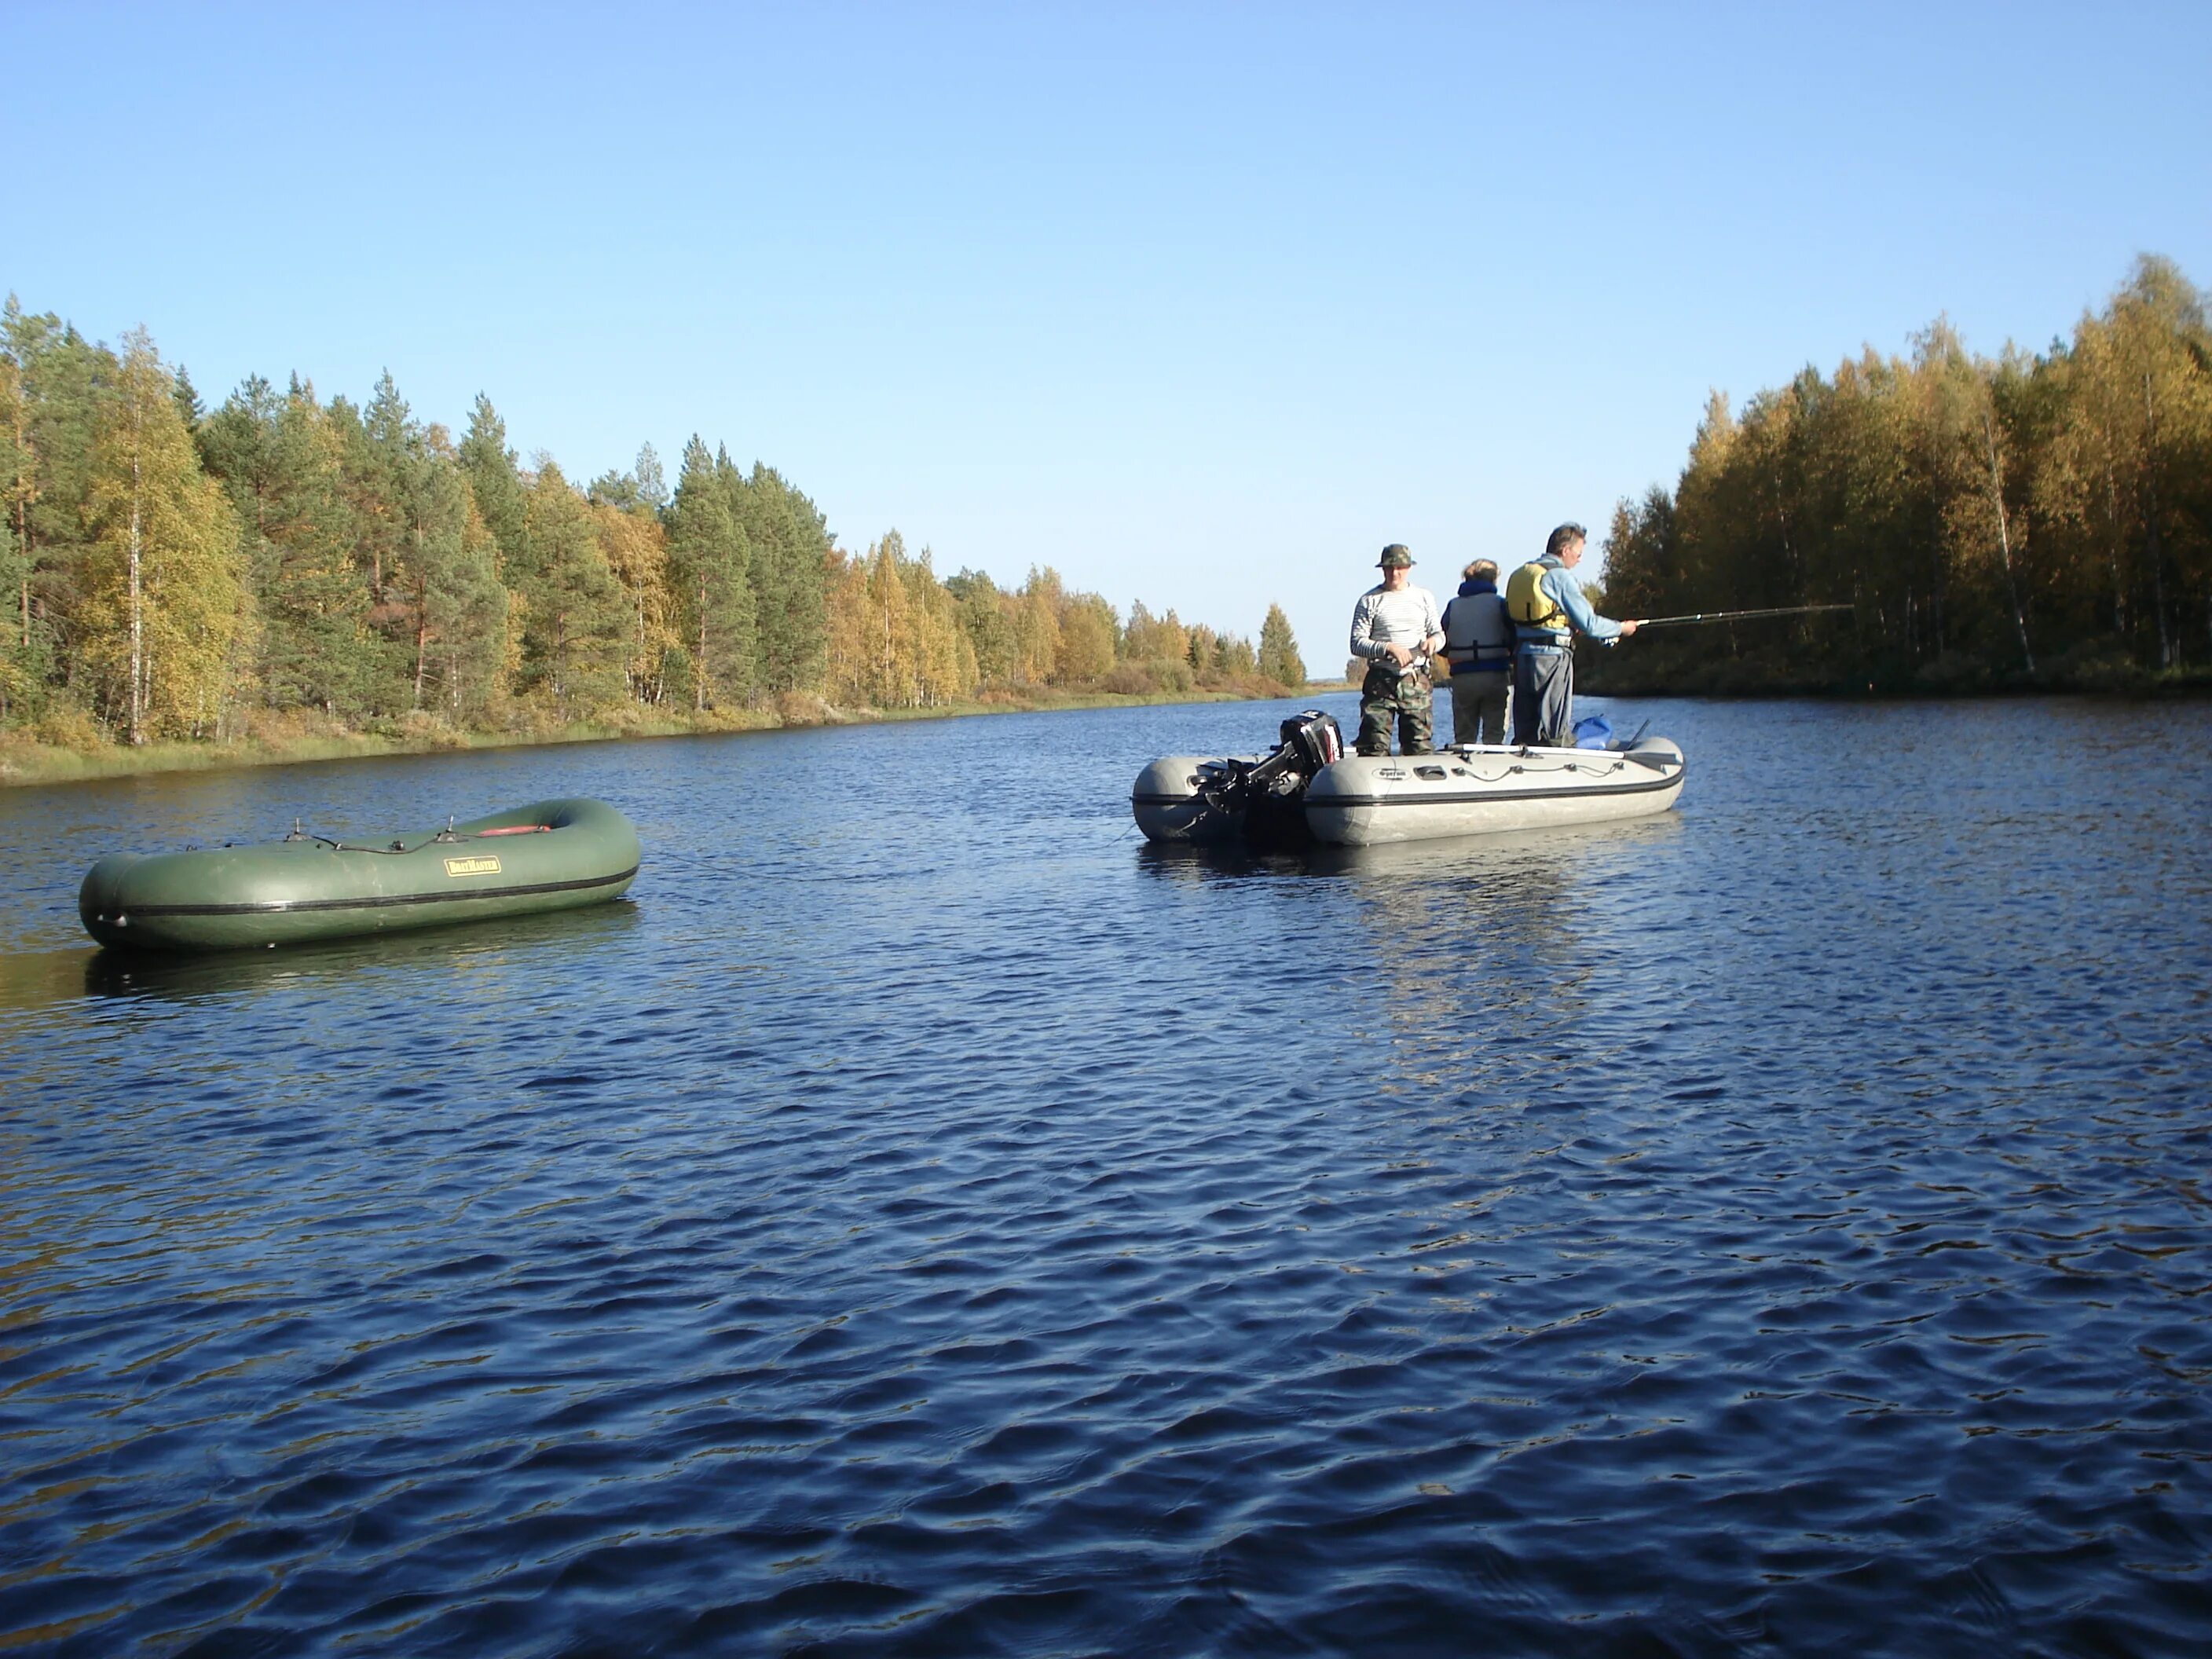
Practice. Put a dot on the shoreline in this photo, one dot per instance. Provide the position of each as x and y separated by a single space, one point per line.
1672 669
32 765
2146 689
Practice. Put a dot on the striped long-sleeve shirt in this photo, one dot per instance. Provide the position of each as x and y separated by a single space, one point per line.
1383 618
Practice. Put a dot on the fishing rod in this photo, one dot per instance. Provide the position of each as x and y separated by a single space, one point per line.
1737 616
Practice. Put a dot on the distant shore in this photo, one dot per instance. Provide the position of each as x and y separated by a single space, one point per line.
25 764
1723 677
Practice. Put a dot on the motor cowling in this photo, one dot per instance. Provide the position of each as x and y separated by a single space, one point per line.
1316 738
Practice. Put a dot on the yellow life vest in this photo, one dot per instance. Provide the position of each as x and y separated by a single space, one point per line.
1529 602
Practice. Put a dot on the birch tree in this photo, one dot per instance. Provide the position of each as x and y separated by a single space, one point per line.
167 598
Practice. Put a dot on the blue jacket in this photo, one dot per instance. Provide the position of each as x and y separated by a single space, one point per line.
1567 593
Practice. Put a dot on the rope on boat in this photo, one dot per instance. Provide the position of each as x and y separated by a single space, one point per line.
1525 767
445 836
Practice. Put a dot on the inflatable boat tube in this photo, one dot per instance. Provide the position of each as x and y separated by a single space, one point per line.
1170 800
1361 801
551 855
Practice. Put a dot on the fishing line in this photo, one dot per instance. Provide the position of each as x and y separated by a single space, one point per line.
1737 616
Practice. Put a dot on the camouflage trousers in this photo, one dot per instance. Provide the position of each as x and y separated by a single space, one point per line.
1407 700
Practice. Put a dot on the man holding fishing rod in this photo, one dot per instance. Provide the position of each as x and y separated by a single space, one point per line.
1546 604
1395 628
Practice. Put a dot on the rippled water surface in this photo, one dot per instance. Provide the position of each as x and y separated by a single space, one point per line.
924 1219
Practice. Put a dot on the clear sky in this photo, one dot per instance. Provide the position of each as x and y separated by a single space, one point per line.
1200 303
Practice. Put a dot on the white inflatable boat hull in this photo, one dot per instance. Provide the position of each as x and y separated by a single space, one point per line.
1362 801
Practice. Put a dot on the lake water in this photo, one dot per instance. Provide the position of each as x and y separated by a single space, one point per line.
925 1219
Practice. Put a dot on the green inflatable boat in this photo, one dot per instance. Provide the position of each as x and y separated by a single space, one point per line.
553 856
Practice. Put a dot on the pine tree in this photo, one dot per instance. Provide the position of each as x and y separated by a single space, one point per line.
23 671
473 620
573 626
616 489
283 464
445 605
422 556
643 490
190 410
60 378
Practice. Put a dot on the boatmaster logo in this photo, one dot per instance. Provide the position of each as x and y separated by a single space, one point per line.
475 866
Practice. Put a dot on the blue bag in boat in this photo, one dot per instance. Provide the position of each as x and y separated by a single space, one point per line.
1593 731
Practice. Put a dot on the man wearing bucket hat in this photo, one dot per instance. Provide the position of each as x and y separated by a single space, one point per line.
1394 627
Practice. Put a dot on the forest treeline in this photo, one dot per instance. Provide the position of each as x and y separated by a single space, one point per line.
2013 521
281 564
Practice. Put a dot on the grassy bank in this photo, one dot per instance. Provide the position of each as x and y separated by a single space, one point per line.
26 762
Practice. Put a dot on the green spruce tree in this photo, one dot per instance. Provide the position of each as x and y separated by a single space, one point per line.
709 570
790 544
494 480
1278 651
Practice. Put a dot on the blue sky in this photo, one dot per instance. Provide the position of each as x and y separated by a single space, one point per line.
1201 304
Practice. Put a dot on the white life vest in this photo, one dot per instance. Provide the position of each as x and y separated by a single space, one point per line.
1477 635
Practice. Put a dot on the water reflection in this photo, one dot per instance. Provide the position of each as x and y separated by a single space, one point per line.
1458 944
1197 862
554 943
1571 843
1510 908
32 980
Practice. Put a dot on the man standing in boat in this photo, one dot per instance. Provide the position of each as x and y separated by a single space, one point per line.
1547 609
1394 627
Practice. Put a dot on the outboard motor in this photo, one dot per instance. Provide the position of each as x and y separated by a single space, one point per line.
1268 796
1190 797
1316 736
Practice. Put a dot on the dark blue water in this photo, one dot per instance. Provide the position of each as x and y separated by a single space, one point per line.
927 1220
